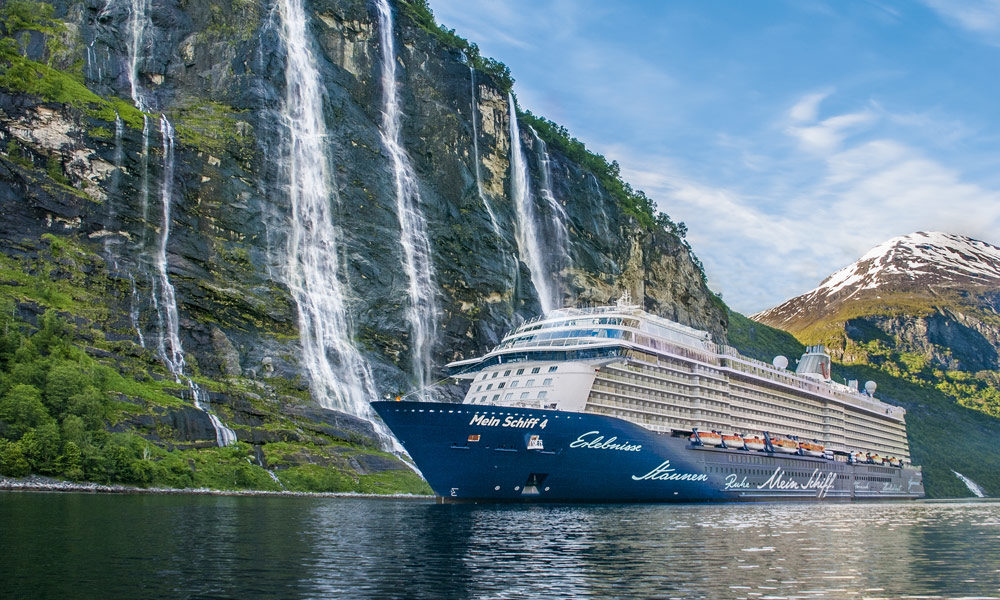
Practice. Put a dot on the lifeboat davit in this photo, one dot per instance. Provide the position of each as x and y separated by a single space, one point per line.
733 441
754 443
812 449
708 438
784 445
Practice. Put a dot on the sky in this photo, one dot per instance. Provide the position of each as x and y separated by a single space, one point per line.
791 136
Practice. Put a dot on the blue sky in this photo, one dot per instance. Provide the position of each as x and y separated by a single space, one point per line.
790 136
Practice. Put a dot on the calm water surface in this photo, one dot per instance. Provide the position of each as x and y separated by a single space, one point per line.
147 546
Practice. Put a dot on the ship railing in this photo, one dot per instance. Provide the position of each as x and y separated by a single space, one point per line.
855 399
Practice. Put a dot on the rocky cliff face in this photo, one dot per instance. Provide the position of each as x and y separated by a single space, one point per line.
161 141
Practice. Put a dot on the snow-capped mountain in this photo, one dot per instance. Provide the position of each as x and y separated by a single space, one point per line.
923 264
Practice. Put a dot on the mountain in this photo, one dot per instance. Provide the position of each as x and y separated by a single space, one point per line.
920 313
922 265
228 226
934 295
937 293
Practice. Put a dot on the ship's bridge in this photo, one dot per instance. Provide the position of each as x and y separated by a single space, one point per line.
584 334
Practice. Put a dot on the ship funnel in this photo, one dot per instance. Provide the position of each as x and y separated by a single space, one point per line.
815 362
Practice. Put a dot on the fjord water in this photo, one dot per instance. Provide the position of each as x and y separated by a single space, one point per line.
154 546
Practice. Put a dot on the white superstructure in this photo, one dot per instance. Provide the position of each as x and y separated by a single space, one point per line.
624 362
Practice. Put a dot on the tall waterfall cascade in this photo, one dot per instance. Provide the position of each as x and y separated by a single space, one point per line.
163 298
557 217
494 222
340 378
423 312
529 242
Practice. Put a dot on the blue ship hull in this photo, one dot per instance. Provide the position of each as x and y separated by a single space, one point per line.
493 453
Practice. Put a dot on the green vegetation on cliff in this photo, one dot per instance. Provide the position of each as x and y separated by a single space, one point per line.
18 73
633 202
420 12
65 414
898 354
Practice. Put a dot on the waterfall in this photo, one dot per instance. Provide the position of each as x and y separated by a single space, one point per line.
422 312
133 312
166 304
475 148
163 297
174 357
340 378
112 239
138 19
528 238
556 213
972 485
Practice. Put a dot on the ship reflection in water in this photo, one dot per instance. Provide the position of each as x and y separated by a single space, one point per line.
77 545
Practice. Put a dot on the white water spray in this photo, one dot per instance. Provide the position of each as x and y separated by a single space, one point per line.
422 313
475 147
164 299
528 239
137 22
173 356
972 485
557 214
340 378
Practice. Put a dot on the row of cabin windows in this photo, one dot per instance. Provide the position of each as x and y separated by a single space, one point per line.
513 384
510 396
534 371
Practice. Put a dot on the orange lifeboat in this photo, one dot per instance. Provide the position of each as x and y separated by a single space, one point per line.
811 448
733 441
784 445
755 443
895 462
708 438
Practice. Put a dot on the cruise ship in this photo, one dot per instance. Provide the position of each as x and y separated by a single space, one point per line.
613 404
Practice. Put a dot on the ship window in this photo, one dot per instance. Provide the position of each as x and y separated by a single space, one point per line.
553 369
513 384
520 372
483 399
529 383
548 381
508 396
501 384
506 373
495 373
524 395
535 370
542 394
496 397
489 386
479 388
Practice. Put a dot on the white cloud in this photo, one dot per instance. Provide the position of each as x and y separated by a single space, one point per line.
762 245
827 135
807 109
981 17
